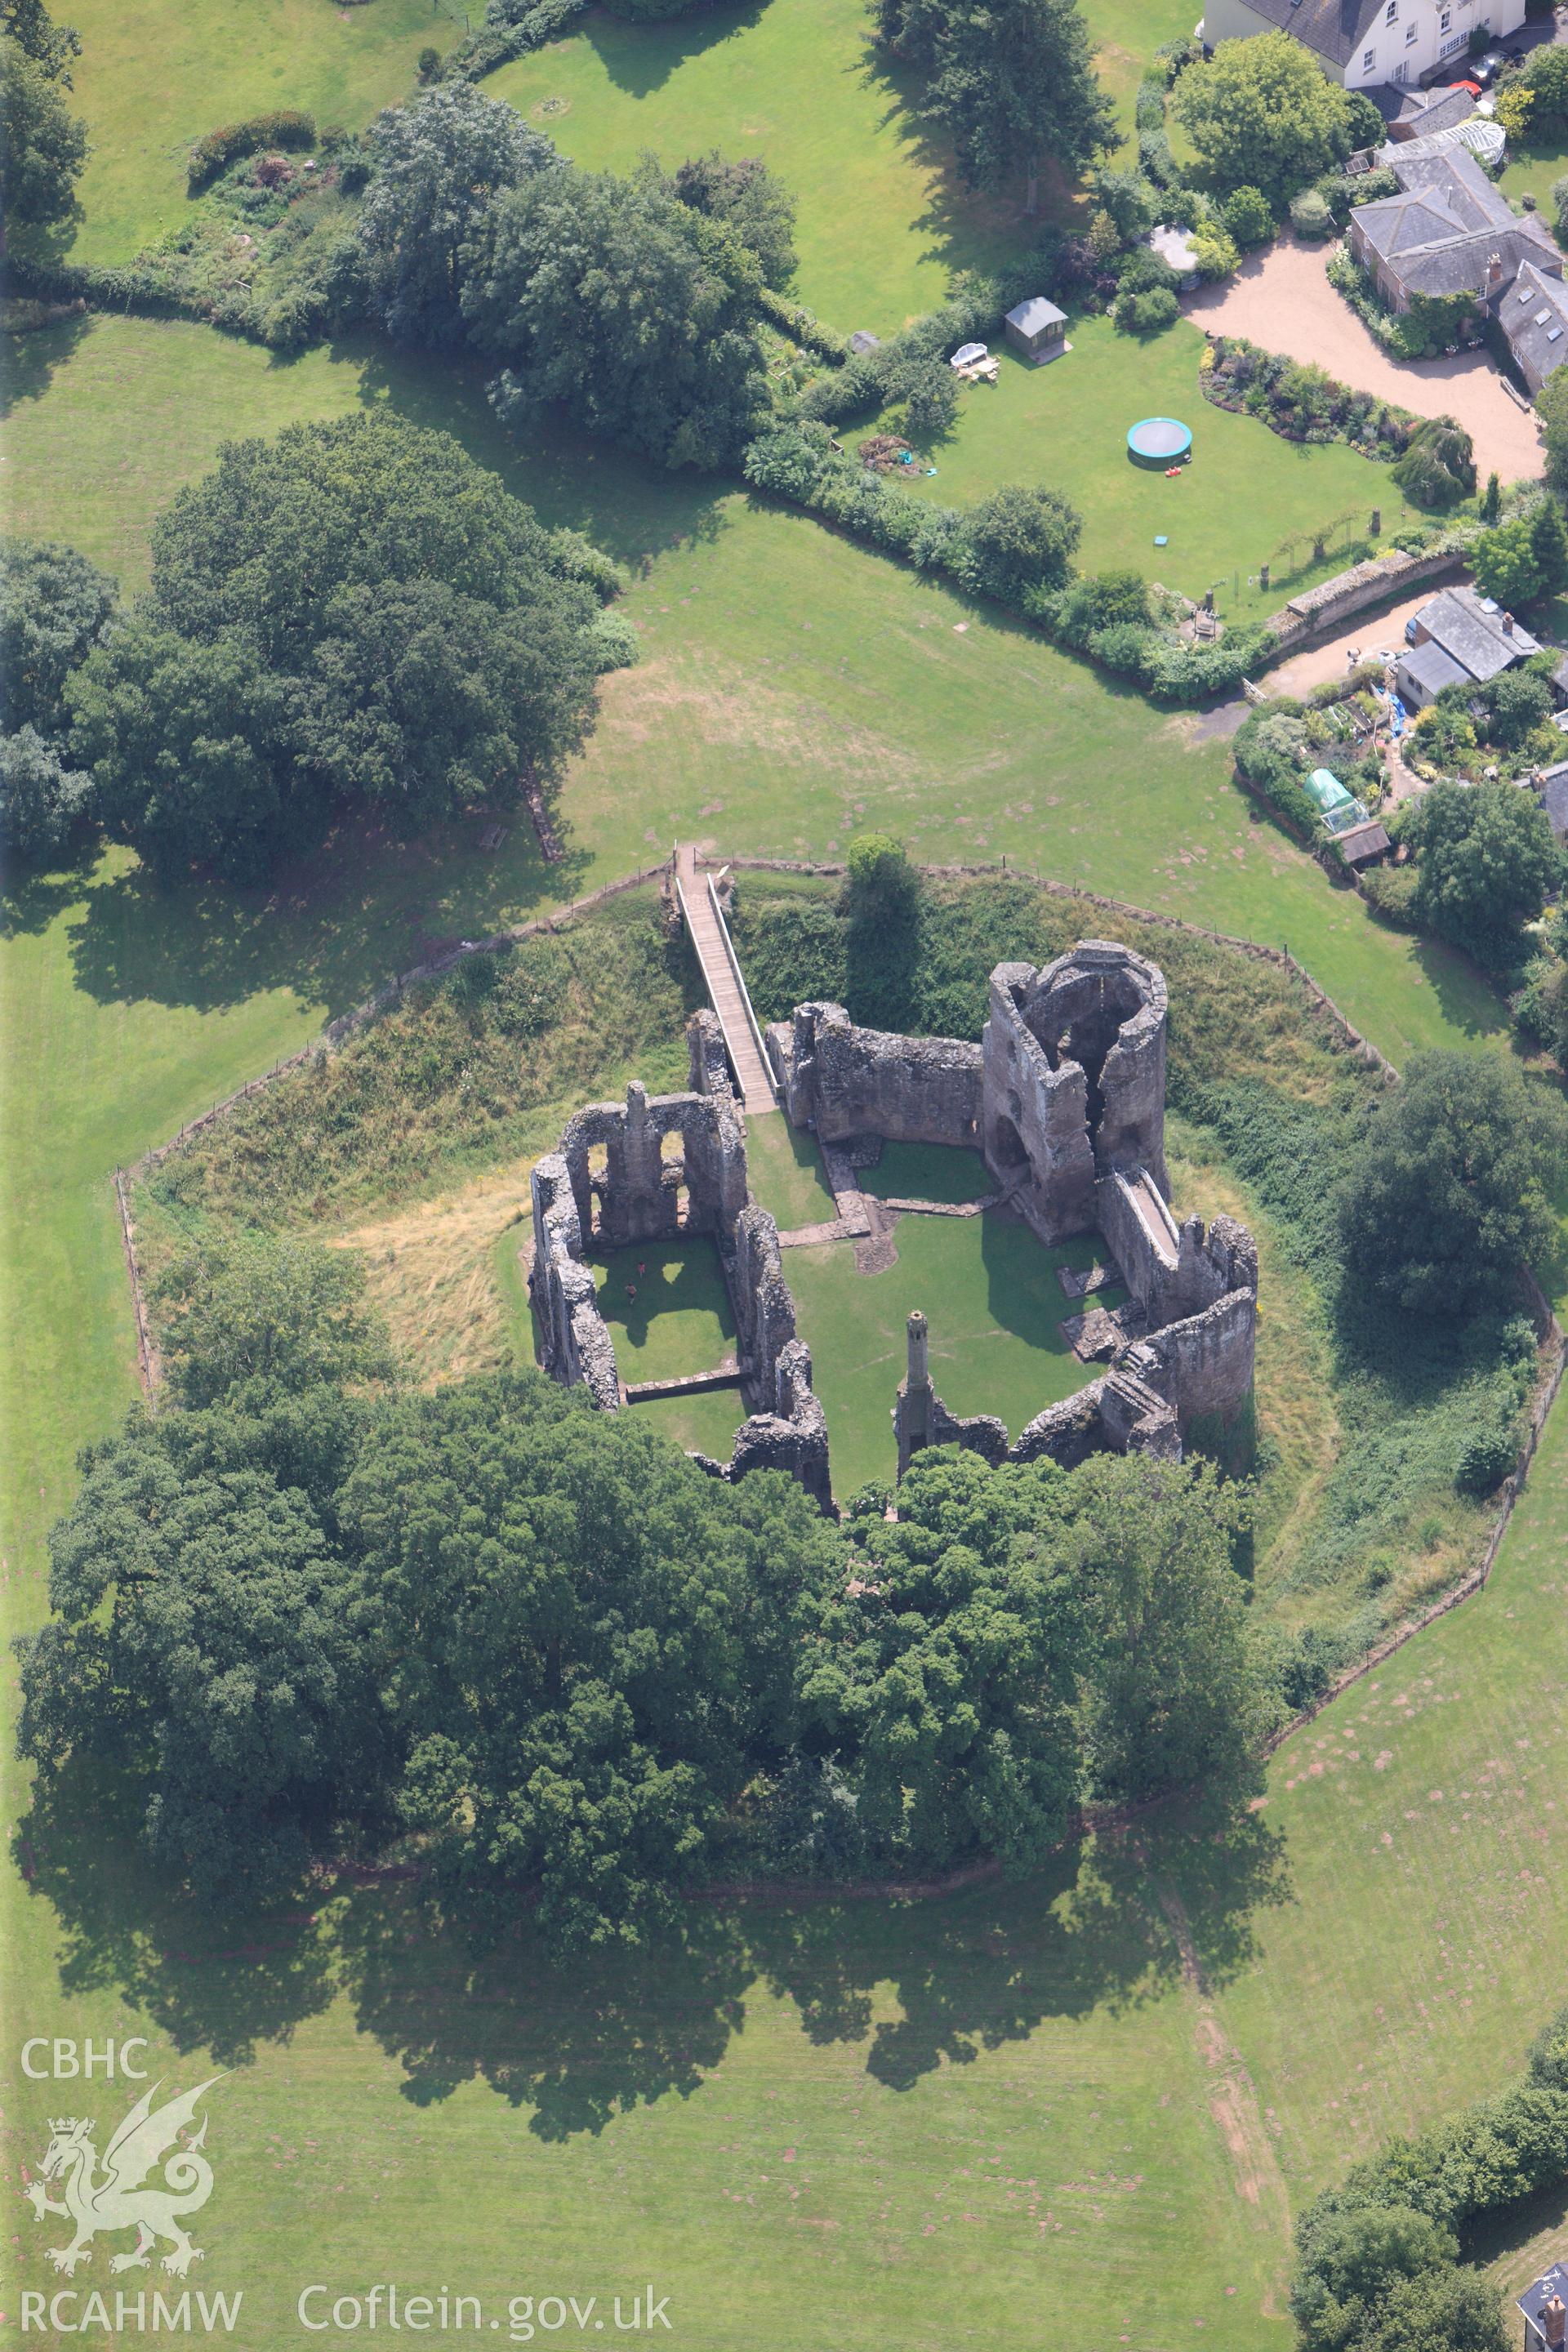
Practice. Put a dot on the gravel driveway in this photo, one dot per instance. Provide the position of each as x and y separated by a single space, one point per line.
1281 299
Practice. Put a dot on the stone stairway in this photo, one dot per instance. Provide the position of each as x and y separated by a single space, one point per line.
724 994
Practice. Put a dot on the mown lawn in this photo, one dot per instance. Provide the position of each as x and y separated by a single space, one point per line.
883 221
1250 498
1532 171
1424 1943
994 1306
147 94
1126 34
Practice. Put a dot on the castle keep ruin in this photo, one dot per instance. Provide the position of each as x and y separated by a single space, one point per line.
1064 1096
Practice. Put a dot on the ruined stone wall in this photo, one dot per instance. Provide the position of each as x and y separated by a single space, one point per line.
845 1081
575 1342
707 1059
792 1438
764 1308
646 1191
1205 1363
1074 1059
1173 1271
657 1149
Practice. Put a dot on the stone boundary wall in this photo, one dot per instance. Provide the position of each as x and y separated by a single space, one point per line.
146 1359
1376 581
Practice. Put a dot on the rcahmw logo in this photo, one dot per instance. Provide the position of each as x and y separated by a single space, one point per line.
121 2196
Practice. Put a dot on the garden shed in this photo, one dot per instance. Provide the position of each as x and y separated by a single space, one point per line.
1038 330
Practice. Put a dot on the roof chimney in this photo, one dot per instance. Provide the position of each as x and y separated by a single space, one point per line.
1494 268
1508 624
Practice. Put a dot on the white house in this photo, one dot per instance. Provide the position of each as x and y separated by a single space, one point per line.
1363 43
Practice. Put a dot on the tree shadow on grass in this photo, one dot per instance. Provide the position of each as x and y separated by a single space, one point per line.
965 229
29 361
633 509
582 2041
334 927
204 1980
640 57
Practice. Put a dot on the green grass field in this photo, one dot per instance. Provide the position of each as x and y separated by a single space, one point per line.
1250 498
667 1308
996 2116
784 1172
1126 34
146 98
793 688
882 223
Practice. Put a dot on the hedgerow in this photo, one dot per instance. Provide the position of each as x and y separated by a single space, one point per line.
1490 2155
220 149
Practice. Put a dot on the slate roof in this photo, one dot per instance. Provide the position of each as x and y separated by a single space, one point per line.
1431 669
1439 234
1031 318
1423 115
1553 785
1470 628
1534 315
1336 29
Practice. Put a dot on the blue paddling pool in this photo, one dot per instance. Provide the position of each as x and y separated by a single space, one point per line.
1159 441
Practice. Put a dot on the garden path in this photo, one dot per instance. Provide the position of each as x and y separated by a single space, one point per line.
1281 299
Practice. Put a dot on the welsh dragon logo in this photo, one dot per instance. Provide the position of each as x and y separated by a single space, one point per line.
121 2196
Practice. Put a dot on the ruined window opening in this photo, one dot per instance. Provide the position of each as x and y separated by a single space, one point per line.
683 1208
1007 1144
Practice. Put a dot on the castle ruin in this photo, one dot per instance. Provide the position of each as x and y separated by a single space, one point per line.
1065 1098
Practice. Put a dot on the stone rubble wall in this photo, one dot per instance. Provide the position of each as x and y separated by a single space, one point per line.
575 1342
794 1437
638 1196
842 1081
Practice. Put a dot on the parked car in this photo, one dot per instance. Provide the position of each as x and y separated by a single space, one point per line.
1486 69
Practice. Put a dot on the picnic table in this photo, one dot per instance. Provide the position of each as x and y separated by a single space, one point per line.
985 371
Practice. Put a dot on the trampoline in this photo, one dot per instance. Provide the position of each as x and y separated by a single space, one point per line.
1159 441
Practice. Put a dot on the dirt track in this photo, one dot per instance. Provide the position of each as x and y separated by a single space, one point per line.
1282 301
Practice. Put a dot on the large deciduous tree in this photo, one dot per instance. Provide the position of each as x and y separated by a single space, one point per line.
944 1673
744 192
438 163
1261 114
43 147
54 607
1451 1192
617 300
354 611
207 1633
589 1642
1175 1695
1011 82
1487 863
